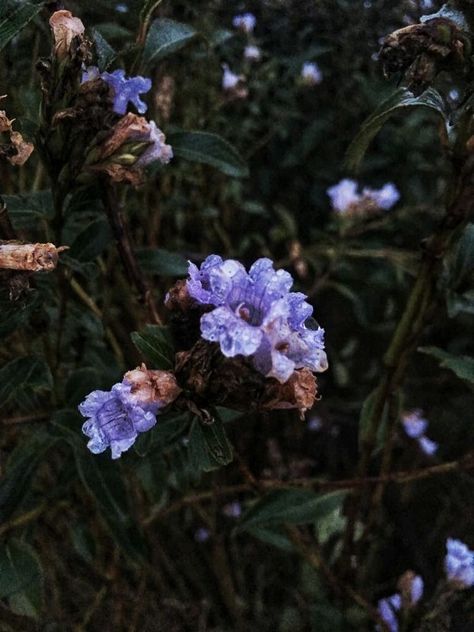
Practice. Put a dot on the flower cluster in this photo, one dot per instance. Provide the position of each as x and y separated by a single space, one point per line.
116 417
311 74
459 564
415 427
232 84
124 90
254 314
345 198
411 588
246 22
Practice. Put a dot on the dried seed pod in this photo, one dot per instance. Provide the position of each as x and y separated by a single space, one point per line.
30 257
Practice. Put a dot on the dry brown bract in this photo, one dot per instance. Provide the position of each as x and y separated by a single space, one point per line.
153 386
19 150
65 28
30 257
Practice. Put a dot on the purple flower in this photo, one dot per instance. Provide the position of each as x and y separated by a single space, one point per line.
384 198
416 588
232 510
388 609
229 79
125 90
459 564
344 195
252 53
115 418
158 150
245 22
414 424
202 535
311 74
315 424
255 315
428 446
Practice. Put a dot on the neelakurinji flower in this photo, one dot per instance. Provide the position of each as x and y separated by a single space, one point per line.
125 90
459 564
346 199
255 315
415 426
245 22
311 74
388 609
116 417
252 53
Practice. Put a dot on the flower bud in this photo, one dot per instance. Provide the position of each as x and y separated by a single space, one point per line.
152 387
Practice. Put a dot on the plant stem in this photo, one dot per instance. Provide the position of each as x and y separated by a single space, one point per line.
127 254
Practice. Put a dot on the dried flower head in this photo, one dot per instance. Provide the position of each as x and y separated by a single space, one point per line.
151 386
65 28
255 315
18 150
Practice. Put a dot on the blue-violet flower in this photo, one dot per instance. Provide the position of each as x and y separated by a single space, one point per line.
245 22
388 609
459 564
125 90
311 74
256 315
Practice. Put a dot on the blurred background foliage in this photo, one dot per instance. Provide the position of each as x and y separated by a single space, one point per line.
88 543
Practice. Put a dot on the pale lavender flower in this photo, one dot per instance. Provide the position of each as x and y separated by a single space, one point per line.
256 315
459 564
428 446
414 424
311 74
252 53
121 8
245 22
229 79
344 195
384 198
315 424
388 609
125 90
158 150
232 510
417 588
202 535
115 418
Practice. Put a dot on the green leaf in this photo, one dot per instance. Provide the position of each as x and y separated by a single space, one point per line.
365 415
156 345
460 262
13 314
101 477
209 447
13 19
166 37
162 262
272 536
21 466
79 384
462 366
105 53
209 149
92 241
26 209
24 373
294 506
400 100
21 578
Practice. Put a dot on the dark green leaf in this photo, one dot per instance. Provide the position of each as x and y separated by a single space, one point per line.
24 373
20 468
105 53
101 477
155 344
13 314
79 384
209 447
92 241
295 506
21 578
462 366
400 100
272 536
209 149
460 262
166 37
14 19
162 262
27 209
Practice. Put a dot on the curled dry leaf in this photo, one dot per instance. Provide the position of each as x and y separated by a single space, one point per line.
65 28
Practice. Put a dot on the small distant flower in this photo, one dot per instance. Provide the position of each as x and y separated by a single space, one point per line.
347 200
202 535
65 28
414 424
453 94
344 195
315 424
256 315
388 609
121 8
245 22
384 198
428 446
125 90
311 74
252 53
229 79
232 510
116 417
411 587
459 564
